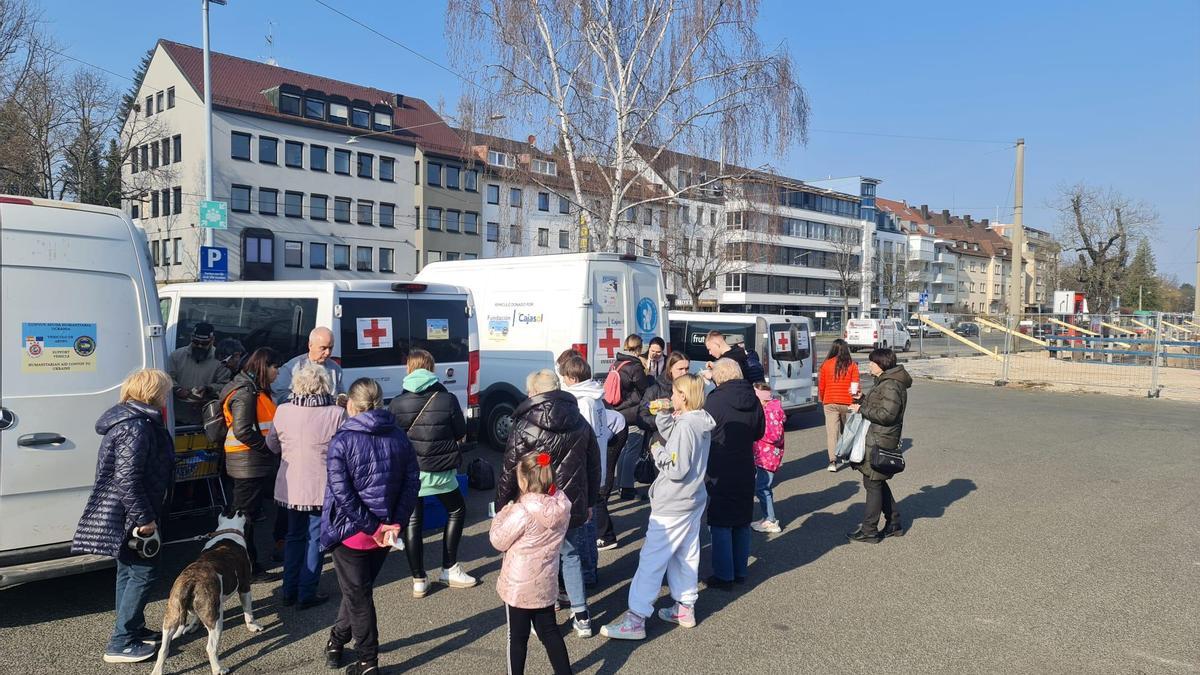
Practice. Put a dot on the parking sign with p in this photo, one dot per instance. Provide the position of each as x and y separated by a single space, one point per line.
214 263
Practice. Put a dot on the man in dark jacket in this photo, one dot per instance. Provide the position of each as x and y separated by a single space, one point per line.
549 421
197 373
884 408
718 348
740 422
134 471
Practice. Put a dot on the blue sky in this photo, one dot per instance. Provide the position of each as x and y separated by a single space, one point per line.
1104 92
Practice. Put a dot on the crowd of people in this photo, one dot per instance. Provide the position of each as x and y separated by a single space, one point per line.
350 474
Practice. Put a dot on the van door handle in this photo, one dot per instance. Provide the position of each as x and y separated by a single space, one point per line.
31 440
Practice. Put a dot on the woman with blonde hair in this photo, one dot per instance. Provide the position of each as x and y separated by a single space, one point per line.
134 470
678 497
300 434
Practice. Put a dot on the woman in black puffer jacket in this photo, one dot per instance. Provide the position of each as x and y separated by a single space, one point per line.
134 471
435 425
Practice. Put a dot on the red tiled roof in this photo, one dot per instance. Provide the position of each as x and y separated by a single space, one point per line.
901 210
238 84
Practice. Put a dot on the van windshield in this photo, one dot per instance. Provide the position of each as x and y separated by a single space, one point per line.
397 325
280 323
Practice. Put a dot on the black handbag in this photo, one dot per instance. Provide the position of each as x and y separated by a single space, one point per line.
645 471
480 475
890 462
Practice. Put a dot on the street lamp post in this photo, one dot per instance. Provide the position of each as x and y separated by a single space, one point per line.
208 144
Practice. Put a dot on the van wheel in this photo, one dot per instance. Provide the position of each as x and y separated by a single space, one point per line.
498 423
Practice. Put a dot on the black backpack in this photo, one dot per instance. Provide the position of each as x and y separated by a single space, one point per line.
480 475
213 417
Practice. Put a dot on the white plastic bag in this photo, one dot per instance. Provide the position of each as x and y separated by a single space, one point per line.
852 444
859 450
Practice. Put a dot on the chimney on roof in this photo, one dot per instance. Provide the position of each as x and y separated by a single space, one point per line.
399 100
967 218
946 215
925 211
985 223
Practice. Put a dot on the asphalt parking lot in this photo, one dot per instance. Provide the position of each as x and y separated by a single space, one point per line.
1048 533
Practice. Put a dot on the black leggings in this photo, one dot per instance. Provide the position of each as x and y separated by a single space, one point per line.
519 621
248 497
414 543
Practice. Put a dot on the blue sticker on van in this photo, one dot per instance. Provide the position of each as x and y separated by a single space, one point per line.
647 316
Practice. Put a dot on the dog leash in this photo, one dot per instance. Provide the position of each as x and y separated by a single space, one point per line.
202 537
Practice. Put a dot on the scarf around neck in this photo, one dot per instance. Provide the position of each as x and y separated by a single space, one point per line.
310 400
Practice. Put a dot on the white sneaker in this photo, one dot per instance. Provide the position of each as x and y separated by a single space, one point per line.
455 577
767 526
833 467
420 587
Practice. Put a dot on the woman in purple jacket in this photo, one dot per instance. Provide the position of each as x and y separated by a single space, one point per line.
372 487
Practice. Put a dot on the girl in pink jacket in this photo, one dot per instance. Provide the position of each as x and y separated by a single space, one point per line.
768 455
530 532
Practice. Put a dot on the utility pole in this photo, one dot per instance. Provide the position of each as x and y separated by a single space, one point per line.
1016 290
1196 283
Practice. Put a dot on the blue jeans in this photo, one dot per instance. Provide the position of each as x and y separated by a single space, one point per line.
589 555
302 554
627 460
571 556
762 488
135 575
730 552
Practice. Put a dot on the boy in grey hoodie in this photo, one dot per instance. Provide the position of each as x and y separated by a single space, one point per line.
677 501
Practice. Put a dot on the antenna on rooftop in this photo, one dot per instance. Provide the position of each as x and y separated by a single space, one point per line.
269 39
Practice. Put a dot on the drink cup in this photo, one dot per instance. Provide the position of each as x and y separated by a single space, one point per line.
854 389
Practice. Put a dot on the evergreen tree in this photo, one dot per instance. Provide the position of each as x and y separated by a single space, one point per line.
110 193
130 98
1142 277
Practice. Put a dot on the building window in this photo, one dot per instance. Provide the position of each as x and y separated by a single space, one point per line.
366 165
360 118
452 175
149 105
387 257
177 146
159 99
417 219
133 161
493 194
341 256
493 231
543 237
514 196
630 247
514 234
293 254
471 180
339 113
154 252
268 201
293 204
166 151
647 247
433 218
239 198
544 167
383 122
387 169
154 155
317 156
433 256
153 204
145 151
177 200
135 210
564 204
387 215
501 159
470 223
166 252
366 212
452 220
268 150
341 209
451 256
293 154
317 205
433 173
314 108
259 250
289 104
317 256
564 239
166 202
470 256
170 97
341 162
366 257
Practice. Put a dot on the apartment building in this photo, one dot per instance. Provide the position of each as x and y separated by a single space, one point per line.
1040 257
984 262
447 202
320 176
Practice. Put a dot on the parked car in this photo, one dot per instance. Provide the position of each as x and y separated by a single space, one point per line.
967 329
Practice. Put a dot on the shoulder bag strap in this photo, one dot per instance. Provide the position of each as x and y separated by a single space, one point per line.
422 412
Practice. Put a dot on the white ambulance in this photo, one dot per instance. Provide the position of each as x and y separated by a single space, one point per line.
783 345
531 308
78 313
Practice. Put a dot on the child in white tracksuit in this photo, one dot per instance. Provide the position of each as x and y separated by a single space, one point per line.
677 501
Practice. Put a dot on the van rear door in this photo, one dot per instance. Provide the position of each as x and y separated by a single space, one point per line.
790 363
78 313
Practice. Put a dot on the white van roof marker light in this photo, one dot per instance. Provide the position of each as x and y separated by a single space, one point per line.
409 287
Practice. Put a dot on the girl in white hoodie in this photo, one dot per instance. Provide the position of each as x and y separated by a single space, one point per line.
677 501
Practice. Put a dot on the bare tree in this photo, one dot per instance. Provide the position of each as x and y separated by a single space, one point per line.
608 77
898 278
20 24
847 262
1098 225
700 254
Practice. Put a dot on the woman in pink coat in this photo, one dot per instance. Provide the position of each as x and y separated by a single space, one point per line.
530 532
768 455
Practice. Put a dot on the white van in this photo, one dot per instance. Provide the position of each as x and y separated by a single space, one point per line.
872 333
374 324
77 296
531 308
782 343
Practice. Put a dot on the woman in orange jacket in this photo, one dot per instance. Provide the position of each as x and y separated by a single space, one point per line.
836 386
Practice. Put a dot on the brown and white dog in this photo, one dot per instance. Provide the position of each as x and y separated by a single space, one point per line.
200 592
